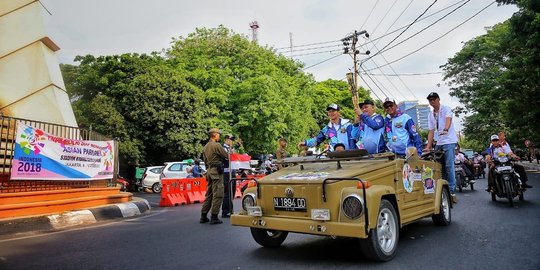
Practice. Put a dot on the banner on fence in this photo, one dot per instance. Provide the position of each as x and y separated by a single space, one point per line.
42 156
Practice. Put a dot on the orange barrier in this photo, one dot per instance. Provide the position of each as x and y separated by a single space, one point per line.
194 189
172 193
238 193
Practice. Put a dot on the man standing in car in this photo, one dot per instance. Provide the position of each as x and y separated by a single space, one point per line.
441 129
213 155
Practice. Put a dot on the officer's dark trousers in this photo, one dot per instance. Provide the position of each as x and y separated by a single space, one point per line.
229 191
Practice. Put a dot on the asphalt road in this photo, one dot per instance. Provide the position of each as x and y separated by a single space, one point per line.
483 235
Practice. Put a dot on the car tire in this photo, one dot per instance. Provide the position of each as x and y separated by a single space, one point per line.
382 241
156 187
444 217
268 238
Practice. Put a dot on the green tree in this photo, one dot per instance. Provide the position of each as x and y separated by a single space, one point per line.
496 77
250 91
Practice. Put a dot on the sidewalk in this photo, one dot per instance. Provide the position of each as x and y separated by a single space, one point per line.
69 219
530 166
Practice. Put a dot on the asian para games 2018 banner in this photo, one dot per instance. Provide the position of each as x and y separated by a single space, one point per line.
42 156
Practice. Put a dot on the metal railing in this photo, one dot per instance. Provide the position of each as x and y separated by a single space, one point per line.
8 133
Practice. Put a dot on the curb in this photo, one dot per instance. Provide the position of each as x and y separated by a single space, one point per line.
68 219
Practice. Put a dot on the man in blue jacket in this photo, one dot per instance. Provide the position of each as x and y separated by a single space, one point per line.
369 128
338 130
400 130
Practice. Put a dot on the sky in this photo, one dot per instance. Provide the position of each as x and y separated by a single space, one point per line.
315 28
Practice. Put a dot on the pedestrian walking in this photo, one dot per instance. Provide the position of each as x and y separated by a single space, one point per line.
213 155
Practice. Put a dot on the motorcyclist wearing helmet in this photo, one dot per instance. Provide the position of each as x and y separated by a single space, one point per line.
269 164
496 150
463 162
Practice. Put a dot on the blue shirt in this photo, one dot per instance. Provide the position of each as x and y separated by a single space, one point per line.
336 133
370 133
401 133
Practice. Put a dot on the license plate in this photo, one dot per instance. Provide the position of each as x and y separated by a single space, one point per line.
290 204
504 168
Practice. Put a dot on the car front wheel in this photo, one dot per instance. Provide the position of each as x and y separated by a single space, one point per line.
381 245
268 238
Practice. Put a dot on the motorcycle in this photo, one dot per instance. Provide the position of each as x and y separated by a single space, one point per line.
478 169
507 183
462 180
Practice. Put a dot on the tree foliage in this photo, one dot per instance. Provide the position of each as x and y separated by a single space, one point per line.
495 76
160 106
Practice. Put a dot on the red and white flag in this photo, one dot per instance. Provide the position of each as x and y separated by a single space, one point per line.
240 161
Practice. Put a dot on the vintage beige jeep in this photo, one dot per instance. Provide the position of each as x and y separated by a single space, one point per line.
347 194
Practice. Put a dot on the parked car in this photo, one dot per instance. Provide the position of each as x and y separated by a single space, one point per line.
176 169
150 178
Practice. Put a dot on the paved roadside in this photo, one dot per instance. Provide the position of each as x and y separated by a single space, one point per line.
531 166
55 222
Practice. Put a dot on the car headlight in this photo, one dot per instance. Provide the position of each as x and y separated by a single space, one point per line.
248 200
352 206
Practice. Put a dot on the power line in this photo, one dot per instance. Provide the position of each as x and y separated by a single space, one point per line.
394 22
433 23
304 45
406 74
315 48
322 61
329 51
454 28
378 38
406 28
402 82
369 15
384 17
423 18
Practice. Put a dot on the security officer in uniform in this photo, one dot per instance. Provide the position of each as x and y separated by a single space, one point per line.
228 185
213 156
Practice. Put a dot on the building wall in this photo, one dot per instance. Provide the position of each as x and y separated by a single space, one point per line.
418 112
31 83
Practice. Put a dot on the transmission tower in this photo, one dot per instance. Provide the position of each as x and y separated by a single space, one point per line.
254 25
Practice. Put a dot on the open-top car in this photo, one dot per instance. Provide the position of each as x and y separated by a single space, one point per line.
347 194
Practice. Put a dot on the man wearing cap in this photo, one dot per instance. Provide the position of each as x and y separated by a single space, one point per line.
229 186
496 149
400 130
281 152
338 130
441 129
213 155
369 128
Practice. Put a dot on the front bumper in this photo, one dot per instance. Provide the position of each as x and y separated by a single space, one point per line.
307 226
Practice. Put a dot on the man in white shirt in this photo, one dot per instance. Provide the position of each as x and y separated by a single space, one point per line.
441 129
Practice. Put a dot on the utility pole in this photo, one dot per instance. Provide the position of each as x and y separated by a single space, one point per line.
290 39
349 43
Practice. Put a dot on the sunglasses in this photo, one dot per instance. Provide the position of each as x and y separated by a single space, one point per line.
495 140
389 106
432 99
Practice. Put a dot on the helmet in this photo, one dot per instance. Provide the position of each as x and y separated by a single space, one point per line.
270 156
